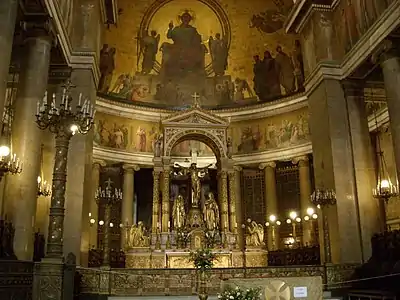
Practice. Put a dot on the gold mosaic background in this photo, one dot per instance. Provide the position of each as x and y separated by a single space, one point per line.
245 41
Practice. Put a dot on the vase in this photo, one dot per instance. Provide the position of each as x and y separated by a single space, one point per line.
202 287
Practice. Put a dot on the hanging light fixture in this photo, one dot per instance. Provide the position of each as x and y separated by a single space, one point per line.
44 188
384 189
9 163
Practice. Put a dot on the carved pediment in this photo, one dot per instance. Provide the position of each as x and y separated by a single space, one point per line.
195 116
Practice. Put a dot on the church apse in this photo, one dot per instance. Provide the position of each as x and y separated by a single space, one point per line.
231 54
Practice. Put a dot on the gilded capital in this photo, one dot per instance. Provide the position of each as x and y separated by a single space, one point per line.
39 28
270 164
97 163
301 160
130 168
238 168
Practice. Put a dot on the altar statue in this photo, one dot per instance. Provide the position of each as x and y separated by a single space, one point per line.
137 236
211 212
186 54
256 234
178 212
195 175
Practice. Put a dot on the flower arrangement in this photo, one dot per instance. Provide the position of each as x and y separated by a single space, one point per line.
238 294
203 259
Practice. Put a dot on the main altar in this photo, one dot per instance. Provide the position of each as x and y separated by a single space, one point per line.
193 205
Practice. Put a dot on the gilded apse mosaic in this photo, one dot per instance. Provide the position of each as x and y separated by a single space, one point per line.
257 135
230 53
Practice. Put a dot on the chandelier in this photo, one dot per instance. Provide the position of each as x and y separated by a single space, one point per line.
9 163
44 188
384 188
108 195
323 197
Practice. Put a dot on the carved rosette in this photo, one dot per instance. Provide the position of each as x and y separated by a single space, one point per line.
165 200
232 201
156 200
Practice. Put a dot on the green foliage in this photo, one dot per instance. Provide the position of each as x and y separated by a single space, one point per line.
238 294
203 259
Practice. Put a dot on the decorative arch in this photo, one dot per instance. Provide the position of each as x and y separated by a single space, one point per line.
200 135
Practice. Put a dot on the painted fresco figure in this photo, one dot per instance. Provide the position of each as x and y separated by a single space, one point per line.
266 77
219 54
149 46
286 70
298 64
107 67
187 53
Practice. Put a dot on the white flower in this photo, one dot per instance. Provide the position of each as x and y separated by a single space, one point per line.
236 288
231 297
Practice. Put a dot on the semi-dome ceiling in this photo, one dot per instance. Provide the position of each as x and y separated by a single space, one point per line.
226 52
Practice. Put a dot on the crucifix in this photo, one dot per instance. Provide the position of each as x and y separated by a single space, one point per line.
109 182
196 98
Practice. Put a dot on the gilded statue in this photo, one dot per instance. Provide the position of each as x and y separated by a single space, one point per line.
219 54
256 234
195 177
187 53
178 212
211 212
137 236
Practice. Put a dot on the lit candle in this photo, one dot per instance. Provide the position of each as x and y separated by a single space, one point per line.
63 98
80 99
38 108
45 98
158 225
169 224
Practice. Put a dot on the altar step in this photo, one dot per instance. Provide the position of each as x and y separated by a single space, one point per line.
193 297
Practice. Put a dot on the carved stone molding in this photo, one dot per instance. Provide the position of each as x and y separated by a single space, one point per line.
42 27
98 163
238 168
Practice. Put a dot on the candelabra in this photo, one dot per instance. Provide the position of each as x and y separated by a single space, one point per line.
9 163
63 121
272 224
43 187
107 197
323 198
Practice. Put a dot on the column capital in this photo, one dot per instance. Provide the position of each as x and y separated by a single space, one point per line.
97 163
41 27
301 160
130 168
270 164
238 168
385 50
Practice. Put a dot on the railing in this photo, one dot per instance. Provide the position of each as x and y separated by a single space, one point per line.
117 258
371 295
295 257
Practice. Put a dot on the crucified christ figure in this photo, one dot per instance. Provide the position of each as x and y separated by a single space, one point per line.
195 177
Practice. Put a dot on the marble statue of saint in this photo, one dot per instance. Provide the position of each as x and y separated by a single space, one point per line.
149 49
211 212
137 236
178 212
219 54
256 234
195 178
186 54
158 144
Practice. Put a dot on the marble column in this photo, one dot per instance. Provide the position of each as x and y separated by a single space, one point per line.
305 201
239 209
165 209
369 208
223 180
26 140
79 176
8 17
128 199
333 161
232 201
94 208
388 55
271 203
156 202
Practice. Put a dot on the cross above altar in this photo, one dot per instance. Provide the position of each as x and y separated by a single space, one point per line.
196 98
109 182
